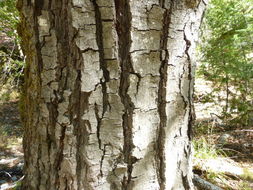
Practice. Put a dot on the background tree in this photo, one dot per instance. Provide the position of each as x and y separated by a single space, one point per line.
108 93
227 56
11 57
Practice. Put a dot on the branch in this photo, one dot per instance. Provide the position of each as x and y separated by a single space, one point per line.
202 184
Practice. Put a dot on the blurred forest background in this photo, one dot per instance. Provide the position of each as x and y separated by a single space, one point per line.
223 130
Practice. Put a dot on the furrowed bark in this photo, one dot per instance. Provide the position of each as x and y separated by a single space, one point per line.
108 93
164 56
123 28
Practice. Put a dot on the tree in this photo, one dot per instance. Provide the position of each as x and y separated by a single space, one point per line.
227 56
108 93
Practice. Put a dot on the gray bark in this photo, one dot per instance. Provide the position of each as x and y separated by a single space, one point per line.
108 93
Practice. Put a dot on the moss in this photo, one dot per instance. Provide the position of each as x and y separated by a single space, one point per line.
25 31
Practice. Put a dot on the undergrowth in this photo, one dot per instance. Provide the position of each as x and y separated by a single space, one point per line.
206 149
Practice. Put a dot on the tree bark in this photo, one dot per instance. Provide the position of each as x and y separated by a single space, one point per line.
108 93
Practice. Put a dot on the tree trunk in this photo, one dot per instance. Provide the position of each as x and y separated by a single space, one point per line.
108 93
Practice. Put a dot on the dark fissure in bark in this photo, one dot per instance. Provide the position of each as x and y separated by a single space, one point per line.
103 66
59 156
99 39
106 78
187 149
62 35
162 94
81 132
38 165
185 182
190 119
33 133
80 103
185 179
53 113
123 28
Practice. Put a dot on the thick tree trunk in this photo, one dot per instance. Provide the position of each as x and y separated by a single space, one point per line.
108 93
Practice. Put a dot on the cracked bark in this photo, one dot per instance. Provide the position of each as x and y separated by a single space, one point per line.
123 27
108 98
162 93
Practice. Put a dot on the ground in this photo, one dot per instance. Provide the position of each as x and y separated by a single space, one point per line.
223 153
11 154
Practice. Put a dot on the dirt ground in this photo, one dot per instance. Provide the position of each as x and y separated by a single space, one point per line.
11 153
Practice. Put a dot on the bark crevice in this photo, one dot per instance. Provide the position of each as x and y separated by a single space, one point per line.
103 66
164 57
190 118
123 29
80 129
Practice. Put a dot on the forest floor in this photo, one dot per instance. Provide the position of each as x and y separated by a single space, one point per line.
223 155
11 151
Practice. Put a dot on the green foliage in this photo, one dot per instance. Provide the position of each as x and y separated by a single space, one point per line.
9 18
11 59
227 50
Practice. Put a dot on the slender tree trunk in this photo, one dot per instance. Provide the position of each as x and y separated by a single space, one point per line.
108 93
